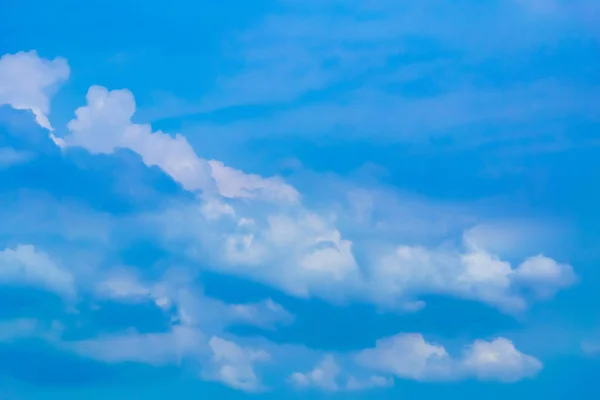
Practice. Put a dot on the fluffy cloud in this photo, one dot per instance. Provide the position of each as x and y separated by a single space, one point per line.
24 265
258 228
323 376
471 273
409 356
104 125
234 365
27 82
499 360
327 375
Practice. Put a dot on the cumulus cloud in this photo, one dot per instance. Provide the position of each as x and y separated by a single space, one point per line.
234 365
104 125
25 265
27 81
323 376
409 356
544 275
470 273
499 360
258 228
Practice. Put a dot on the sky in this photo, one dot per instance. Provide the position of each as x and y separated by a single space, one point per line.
299 199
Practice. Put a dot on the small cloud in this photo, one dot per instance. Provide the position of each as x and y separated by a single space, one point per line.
27 82
25 265
10 156
323 376
233 365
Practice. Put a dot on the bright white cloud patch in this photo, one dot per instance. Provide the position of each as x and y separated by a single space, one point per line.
499 360
323 376
234 365
409 356
104 125
471 273
27 82
26 266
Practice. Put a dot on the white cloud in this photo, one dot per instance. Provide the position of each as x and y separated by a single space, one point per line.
233 183
265 314
469 272
104 125
544 275
257 227
233 365
191 307
374 381
323 376
499 360
10 156
157 349
409 356
24 265
27 82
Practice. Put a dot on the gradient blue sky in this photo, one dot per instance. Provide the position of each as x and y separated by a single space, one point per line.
299 199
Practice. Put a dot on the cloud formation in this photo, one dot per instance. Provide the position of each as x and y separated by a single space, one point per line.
27 82
409 356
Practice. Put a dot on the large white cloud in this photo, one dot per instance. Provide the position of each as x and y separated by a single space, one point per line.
410 356
27 81
258 228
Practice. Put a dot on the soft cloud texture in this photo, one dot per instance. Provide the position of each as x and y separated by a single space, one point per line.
25 266
409 356
234 365
27 81
131 271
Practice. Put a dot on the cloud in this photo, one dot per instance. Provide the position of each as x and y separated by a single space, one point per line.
409 356
104 125
158 349
327 375
499 360
234 365
10 156
323 376
471 273
184 299
27 82
24 265
374 381
259 228
544 275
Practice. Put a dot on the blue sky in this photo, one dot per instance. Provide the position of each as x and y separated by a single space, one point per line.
299 199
